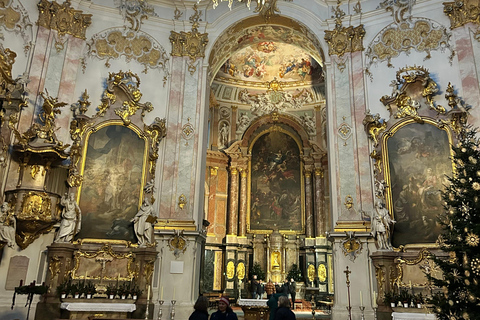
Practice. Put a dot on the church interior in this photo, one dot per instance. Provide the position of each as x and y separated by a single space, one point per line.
153 151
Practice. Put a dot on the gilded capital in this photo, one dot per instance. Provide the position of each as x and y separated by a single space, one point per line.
63 18
192 43
213 171
462 12
343 40
234 170
319 172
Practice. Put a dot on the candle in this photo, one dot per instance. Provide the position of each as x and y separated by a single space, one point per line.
410 283
161 295
361 299
375 299
173 294
148 293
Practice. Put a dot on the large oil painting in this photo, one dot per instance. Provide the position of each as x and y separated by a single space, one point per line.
419 162
113 179
276 193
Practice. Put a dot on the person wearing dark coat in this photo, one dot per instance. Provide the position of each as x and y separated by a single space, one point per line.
201 309
293 290
283 312
273 302
224 311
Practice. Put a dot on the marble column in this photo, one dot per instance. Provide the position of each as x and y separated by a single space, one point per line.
308 205
212 192
320 216
233 205
242 226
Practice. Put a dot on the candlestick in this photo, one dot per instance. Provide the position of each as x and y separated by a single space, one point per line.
375 313
362 309
172 313
160 302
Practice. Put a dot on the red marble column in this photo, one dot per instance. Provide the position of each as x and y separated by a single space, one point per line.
309 223
242 226
233 206
320 216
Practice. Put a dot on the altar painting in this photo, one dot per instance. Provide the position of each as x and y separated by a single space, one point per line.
110 194
418 164
276 193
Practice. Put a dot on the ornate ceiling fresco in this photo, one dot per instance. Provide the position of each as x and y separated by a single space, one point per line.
266 60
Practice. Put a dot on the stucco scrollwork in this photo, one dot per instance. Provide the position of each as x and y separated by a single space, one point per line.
139 46
13 17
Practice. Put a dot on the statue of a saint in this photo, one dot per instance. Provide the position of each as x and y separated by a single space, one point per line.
71 219
7 226
143 223
382 225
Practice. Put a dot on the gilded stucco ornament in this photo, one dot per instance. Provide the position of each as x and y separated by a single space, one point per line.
241 271
401 104
178 243
458 113
462 12
14 18
311 272
275 99
407 33
63 18
230 269
192 43
132 45
344 39
351 246
374 126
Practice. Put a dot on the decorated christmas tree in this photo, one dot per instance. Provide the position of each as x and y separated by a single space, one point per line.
459 289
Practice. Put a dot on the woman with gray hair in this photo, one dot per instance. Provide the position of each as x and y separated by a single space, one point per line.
283 311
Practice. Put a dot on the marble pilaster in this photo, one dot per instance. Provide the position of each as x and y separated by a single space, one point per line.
466 59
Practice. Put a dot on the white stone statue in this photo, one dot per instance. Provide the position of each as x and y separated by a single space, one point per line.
382 225
7 228
143 223
71 219
224 133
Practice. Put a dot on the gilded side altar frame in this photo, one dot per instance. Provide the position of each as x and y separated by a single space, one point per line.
276 128
387 173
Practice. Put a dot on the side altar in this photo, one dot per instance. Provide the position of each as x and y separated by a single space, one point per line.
254 309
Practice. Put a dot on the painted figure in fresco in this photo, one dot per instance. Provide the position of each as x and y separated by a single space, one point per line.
382 226
7 228
143 224
71 219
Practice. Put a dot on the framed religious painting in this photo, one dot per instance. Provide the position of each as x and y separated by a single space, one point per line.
417 160
276 183
114 164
